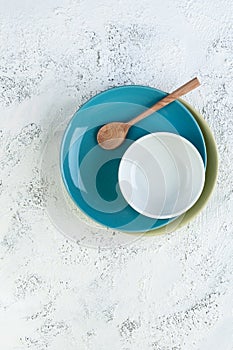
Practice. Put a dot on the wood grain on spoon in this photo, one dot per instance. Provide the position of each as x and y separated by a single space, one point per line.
112 135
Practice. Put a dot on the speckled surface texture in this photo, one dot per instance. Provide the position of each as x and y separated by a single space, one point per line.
109 290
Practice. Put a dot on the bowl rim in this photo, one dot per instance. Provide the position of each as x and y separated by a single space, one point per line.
200 164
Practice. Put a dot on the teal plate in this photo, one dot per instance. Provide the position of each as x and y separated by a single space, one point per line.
90 174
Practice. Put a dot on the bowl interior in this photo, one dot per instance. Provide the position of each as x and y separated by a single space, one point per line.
161 175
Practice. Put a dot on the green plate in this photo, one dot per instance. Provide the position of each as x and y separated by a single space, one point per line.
210 180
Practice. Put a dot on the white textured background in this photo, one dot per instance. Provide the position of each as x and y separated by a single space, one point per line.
159 293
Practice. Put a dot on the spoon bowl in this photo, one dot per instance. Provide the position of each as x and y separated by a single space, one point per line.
112 135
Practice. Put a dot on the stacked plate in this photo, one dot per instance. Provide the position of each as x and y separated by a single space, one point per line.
126 190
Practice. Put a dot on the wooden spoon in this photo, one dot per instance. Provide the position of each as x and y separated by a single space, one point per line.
112 135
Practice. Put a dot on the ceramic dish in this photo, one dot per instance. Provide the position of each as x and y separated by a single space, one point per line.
161 175
90 173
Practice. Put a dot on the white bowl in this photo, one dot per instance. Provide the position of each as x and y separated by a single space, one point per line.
161 175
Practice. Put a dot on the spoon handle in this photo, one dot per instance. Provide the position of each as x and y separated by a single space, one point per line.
182 90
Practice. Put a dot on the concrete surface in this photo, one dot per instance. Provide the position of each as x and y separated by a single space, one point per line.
108 290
